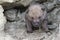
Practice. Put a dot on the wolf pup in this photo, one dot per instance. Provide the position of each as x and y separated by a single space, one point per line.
36 16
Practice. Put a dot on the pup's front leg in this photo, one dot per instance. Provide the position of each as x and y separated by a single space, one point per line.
44 26
28 25
29 28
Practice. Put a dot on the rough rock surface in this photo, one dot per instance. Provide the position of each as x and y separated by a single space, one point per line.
15 30
11 14
4 36
2 19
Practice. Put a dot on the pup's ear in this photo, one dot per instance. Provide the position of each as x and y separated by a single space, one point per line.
43 7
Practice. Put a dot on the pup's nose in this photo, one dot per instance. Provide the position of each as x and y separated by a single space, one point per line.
37 21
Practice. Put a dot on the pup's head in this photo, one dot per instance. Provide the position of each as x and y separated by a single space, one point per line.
35 14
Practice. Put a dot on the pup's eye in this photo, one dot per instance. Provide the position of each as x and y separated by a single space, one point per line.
39 17
32 17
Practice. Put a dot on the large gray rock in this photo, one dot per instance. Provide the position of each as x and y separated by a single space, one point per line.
8 4
2 19
12 14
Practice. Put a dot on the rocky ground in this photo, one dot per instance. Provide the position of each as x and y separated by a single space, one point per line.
14 28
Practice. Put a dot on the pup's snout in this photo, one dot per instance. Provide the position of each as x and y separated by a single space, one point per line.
36 22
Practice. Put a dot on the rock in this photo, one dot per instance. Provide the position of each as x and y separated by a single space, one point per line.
14 3
12 27
52 16
7 5
8 37
40 1
10 1
50 0
4 36
53 26
11 15
2 19
50 5
26 2
58 15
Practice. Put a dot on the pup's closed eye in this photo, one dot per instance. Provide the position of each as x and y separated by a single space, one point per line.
32 18
43 9
39 17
